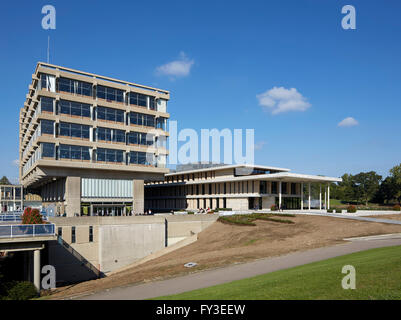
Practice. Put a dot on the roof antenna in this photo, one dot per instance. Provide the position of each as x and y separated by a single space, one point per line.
48 49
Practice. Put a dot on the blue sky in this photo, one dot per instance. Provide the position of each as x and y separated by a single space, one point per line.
230 53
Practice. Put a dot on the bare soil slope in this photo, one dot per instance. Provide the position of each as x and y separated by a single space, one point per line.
223 244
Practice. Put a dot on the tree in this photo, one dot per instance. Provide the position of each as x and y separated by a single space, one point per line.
4 180
395 175
366 185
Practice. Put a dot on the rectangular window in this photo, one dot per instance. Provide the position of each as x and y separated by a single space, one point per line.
274 187
46 104
138 99
293 188
48 150
136 157
142 119
119 136
109 94
90 234
47 127
74 109
74 152
110 114
74 130
284 188
73 235
109 155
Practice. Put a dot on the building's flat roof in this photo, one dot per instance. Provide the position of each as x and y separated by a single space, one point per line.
224 167
280 176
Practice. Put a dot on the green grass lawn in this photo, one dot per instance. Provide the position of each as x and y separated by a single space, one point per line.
378 276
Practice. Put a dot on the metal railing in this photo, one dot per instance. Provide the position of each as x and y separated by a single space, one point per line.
27 230
15 217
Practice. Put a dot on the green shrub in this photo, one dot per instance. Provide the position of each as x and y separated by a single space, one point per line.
20 290
223 209
248 219
330 210
339 210
191 212
273 207
351 209
397 207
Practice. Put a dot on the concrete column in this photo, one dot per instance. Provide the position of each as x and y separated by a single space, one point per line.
279 194
309 196
73 195
328 196
36 269
302 195
320 197
138 196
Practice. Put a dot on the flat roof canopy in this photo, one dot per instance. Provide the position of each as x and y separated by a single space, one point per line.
280 176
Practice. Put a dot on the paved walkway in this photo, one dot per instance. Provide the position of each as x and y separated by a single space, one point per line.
240 271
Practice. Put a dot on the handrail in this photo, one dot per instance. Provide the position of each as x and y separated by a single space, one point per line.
26 230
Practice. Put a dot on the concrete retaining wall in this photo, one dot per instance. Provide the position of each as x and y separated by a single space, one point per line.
117 241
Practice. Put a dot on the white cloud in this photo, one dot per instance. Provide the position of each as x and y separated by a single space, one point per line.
348 122
16 162
177 68
259 145
280 99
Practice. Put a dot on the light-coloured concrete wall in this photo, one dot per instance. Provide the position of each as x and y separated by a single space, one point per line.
187 225
238 203
267 202
121 245
138 200
73 195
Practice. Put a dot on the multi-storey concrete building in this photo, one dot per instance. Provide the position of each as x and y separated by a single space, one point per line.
239 187
88 142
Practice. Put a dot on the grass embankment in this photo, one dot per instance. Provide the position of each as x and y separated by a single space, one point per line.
248 219
378 276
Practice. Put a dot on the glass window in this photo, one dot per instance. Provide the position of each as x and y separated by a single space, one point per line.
119 136
47 127
110 155
133 98
46 104
119 116
48 150
274 187
101 92
75 152
74 108
85 132
75 130
152 103
142 100
109 94
64 107
101 154
64 151
65 85
110 115
101 113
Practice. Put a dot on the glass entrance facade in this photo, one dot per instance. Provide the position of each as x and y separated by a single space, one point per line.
290 203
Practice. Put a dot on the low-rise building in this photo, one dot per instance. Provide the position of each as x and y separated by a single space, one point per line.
239 187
